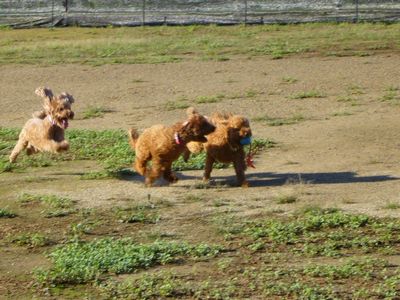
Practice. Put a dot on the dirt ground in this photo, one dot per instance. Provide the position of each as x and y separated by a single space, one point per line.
343 154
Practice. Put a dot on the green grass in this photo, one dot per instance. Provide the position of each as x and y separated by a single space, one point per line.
270 121
165 44
148 286
138 214
342 114
5 213
55 206
180 103
31 240
81 262
289 79
285 199
95 112
209 99
392 205
319 232
307 94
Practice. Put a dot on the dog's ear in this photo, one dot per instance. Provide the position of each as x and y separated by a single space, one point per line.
44 93
191 111
47 96
66 97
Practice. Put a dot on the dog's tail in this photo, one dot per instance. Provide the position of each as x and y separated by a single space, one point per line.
133 135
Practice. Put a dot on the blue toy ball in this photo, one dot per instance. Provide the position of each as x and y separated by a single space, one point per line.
245 141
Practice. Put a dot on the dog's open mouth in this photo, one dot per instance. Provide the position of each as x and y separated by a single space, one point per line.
64 123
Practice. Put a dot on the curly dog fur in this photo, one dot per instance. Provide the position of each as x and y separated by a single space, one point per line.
45 131
223 145
163 145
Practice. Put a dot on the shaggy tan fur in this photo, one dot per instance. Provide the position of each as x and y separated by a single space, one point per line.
45 131
223 145
163 145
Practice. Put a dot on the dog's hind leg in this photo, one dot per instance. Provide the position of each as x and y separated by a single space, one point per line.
155 172
140 165
53 146
208 167
21 145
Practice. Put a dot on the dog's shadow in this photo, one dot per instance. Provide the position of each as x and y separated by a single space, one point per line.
277 179
261 179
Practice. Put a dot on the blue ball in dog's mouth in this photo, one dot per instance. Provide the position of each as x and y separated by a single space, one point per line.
245 141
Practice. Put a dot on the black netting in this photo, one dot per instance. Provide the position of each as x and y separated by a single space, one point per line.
26 13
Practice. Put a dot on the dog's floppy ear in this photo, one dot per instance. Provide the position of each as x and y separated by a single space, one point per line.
47 96
66 97
44 93
191 111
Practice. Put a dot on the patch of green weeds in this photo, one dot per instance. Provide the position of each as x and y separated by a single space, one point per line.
209 99
289 79
307 94
342 114
180 103
56 206
250 94
148 286
325 232
92 112
30 240
354 89
286 199
391 95
364 268
5 213
392 205
81 262
138 214
280 121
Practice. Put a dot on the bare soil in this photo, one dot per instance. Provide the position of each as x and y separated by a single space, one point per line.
343 154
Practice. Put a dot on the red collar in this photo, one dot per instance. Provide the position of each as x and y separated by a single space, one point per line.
178 139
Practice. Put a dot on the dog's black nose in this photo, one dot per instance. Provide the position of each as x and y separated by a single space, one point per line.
71 115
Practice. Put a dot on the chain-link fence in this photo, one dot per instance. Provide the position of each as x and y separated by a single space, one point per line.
29 13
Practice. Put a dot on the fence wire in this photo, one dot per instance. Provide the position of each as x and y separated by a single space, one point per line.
46 13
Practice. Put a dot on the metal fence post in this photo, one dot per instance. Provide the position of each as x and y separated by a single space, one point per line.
143 12
357 12
52 13
245 12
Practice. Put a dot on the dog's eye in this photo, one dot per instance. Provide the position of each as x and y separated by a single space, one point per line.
61 109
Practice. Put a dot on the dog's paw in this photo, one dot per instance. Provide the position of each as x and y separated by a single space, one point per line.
245 184
63 146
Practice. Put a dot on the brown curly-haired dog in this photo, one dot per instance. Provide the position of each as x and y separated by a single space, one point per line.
45 131
225 144
163 145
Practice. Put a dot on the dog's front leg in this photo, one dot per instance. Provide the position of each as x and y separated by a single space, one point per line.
21 145
169 175
240 166
208 167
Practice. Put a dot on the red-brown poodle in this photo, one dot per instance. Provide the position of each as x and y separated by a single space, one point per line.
162 145
225 145
45 131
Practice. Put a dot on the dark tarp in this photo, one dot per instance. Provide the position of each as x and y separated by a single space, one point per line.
30 13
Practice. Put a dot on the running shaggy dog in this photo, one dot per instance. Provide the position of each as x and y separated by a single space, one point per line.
163 145
225 144
45 131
